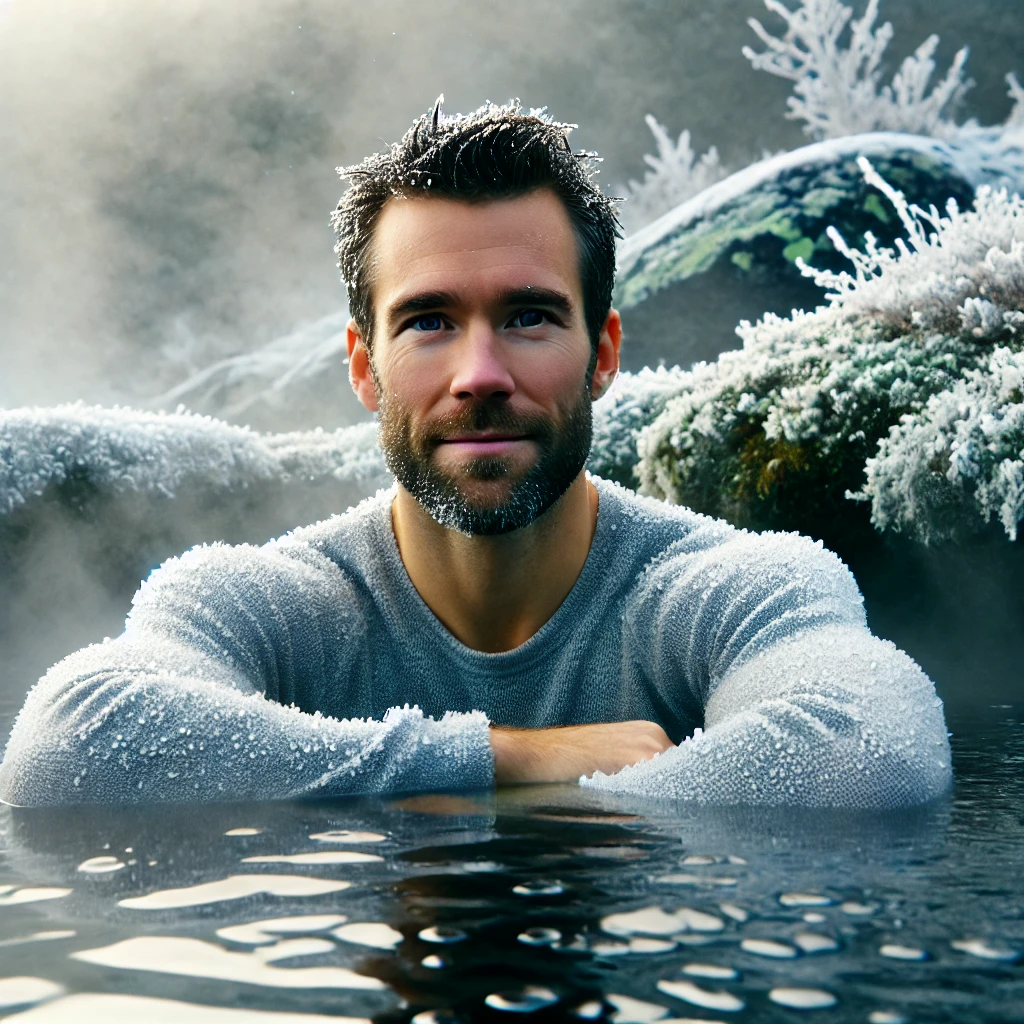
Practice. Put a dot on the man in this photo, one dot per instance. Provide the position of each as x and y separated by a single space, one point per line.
498 616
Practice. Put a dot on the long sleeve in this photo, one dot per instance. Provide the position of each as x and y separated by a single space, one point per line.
190 703
802 705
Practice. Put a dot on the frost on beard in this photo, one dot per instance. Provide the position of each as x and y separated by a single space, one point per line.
904 391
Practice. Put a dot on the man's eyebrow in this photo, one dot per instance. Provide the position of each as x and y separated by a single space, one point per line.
420 303
425 302
541 297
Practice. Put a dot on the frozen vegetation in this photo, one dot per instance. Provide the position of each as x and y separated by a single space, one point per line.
919 348
122 450
835 63
673 175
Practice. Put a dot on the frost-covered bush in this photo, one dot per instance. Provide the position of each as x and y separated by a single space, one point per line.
674 175
126 450
634 401
837 75
918 347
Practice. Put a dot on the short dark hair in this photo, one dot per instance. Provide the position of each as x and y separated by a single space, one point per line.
494 152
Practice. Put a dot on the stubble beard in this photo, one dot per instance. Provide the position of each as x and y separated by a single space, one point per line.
410 454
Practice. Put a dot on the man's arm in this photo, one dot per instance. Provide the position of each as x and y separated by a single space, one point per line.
564 753
177 708
802 705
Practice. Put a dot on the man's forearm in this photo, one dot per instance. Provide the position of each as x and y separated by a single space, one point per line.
565 753
102 727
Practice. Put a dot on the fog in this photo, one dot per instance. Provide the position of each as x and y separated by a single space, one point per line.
168 167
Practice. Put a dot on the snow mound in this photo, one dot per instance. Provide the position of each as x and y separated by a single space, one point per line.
123 449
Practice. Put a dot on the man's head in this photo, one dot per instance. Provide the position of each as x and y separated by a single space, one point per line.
496 152
486 307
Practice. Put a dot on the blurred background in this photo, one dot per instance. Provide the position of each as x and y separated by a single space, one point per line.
167 168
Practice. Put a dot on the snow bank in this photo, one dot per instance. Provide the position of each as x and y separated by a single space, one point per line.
126 450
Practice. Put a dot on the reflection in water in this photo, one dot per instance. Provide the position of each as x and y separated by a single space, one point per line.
24 991
697 996
263 933
571 906
369 933
235 887
11 895
121 1009
319 857
196 959
802 998
345 836
100 865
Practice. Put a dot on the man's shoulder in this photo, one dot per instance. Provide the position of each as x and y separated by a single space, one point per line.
652 529
320 551
665 537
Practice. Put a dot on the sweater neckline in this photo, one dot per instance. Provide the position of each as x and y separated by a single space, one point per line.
553 629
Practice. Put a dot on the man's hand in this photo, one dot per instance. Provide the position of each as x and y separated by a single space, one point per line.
564 754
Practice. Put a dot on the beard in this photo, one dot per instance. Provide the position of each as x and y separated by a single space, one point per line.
410 455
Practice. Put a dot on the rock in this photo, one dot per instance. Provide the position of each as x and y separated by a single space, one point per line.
729 254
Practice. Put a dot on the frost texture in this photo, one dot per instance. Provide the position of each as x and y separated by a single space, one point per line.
126 450
675 174
838 90
922 339
242 670
632 402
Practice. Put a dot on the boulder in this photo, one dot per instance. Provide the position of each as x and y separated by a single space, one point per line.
729 254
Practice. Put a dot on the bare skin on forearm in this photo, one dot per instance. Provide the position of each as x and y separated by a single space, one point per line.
565 753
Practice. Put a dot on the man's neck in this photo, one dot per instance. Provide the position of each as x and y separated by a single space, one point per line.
494 593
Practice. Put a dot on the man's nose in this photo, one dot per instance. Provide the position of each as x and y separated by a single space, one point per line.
481 369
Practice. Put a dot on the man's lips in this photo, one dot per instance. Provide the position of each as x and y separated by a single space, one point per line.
487 444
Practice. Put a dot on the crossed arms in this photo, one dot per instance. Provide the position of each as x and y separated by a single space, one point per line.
802 705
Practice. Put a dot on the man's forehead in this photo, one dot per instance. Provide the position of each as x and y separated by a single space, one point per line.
436 242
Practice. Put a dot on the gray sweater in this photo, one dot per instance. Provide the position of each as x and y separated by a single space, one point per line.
311 666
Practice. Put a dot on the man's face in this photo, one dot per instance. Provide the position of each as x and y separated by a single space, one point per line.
480 357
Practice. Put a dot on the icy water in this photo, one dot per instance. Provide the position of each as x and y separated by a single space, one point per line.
539 903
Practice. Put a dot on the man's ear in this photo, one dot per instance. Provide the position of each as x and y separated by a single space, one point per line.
360 373
607 366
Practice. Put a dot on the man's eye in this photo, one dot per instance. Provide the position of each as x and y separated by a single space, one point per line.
429 323
528 318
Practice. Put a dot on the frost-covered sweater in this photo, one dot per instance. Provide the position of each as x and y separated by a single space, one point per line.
311 666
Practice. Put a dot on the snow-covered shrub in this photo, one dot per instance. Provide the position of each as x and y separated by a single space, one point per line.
675 174
917 348
125 450
838 90
634 400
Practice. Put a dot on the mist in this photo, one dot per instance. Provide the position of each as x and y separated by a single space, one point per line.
168 167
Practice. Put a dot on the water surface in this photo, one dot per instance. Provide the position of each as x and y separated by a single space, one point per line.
544 902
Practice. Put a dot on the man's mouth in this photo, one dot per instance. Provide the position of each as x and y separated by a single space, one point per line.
484 443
